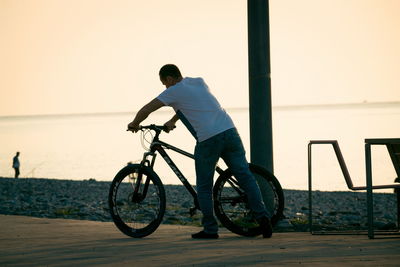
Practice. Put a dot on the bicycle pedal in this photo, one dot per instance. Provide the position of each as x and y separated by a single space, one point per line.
192 211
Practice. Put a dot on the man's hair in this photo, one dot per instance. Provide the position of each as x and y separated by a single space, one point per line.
170 70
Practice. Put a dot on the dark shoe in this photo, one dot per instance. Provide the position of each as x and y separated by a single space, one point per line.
266 227
204 235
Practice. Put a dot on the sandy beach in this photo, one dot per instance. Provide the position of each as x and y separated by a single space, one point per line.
29 241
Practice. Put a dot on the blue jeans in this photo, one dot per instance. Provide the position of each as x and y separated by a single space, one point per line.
228 146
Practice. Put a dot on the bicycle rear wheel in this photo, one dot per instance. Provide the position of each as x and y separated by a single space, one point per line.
230 201
137 200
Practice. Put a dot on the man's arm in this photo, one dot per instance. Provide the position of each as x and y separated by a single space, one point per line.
144 112
171 123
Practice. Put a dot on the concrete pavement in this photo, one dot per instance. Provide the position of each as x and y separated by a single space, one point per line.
28 241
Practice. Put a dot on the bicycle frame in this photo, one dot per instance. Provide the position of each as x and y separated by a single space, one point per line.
160 147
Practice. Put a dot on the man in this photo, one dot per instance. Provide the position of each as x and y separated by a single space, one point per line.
16 165
216 137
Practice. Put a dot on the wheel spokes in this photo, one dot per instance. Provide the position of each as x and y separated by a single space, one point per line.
136 206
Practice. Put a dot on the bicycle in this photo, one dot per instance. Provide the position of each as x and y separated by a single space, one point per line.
137 198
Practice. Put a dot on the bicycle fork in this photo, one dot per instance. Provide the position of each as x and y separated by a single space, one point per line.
140 189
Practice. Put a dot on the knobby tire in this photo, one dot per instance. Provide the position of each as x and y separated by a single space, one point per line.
231 206
135 212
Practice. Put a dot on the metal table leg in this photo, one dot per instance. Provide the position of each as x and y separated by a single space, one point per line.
370 202
309 190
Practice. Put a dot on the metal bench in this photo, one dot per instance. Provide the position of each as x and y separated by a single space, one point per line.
393 147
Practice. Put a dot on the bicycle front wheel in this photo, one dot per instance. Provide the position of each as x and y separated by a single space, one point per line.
231 206
137 200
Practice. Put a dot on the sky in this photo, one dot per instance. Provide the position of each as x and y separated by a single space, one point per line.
62 57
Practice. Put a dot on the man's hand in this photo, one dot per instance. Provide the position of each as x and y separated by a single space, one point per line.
170 125
133 127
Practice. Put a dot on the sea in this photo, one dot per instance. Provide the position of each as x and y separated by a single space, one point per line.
97 146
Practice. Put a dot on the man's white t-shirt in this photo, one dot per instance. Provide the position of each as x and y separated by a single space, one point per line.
197 108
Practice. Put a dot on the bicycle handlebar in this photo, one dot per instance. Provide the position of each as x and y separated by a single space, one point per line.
157 128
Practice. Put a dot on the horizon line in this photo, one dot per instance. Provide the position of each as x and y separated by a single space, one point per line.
279 107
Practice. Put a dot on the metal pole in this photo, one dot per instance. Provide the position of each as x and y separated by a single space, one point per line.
261 152
260 94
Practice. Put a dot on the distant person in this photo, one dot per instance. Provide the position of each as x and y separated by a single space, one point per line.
16 165
216 137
